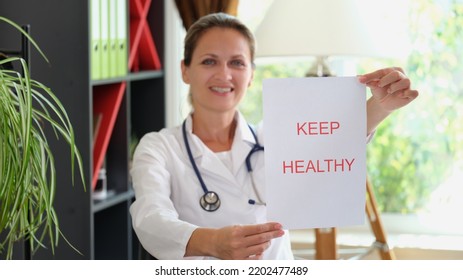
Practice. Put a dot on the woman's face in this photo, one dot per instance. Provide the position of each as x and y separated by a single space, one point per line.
220 70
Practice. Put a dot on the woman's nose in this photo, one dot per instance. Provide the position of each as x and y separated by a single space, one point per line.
224 72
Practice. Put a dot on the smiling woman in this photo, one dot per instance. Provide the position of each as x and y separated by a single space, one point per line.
225 73
174 215
218 69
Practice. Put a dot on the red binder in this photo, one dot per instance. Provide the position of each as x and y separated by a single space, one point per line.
106 103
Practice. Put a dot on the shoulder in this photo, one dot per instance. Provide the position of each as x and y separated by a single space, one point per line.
159 143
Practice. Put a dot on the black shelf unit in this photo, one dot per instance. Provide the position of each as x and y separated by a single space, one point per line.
99 229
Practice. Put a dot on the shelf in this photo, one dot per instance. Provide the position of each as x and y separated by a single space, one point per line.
111 200
105 113
125 104
103 82
144 75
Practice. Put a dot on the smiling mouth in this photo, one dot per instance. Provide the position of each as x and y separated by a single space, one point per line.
222 90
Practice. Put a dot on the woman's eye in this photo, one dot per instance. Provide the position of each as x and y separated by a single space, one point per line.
208 62
238 63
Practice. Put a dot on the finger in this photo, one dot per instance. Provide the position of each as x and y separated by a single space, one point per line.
254 257
372 84
410 94
391 78
402 84
257 250
262 238
378 74
260 228
373 76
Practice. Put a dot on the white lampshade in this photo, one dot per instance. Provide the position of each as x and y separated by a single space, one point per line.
367 28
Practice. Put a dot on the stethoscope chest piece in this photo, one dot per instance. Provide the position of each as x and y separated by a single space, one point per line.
210 201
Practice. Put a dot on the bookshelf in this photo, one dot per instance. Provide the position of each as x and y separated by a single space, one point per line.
126 108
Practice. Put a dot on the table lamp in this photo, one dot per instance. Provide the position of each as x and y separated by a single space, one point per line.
358 28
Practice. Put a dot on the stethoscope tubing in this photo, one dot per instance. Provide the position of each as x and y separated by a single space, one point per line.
204 201
190 156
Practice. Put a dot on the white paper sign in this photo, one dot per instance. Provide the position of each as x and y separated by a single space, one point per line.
315 151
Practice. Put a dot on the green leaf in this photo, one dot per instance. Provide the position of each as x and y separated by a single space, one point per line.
27 166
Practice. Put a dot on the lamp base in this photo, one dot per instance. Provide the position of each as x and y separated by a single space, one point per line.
320 68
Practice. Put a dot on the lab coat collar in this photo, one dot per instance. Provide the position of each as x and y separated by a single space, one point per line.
243 141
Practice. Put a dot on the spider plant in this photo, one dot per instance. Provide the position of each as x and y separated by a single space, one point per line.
27 166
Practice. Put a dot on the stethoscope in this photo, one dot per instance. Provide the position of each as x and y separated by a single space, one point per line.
210 201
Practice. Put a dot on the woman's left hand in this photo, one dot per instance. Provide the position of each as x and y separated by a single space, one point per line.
390 88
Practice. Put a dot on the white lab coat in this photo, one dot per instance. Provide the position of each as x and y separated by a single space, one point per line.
167 210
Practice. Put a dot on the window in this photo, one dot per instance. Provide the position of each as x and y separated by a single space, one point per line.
415 161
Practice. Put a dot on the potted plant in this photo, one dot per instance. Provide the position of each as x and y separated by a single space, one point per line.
27 167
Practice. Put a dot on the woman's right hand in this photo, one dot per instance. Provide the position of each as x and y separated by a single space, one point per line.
238 242
245 242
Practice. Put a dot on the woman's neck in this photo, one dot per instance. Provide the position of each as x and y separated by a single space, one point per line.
216 131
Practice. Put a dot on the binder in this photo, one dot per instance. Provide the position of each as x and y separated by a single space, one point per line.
95 44
96 126
107 101
112 18
104 16
121 38
143 54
